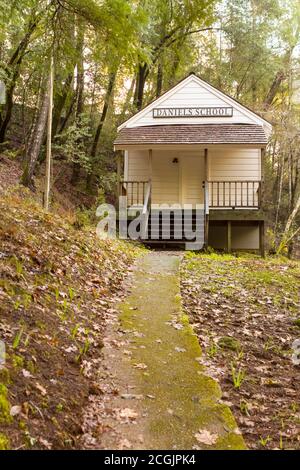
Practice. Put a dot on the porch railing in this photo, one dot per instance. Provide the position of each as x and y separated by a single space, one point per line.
135 191
234 194
217 194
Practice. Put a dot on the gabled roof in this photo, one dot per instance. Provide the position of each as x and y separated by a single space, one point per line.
184 134
253 116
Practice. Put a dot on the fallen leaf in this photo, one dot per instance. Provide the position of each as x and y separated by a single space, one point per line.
141 366
27 374
124 444
45 443
15 410
131 396
128 413
41 389
206 437
177 326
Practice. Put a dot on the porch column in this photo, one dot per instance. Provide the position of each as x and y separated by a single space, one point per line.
262 194
262 171
262 238
150 163
229 236
119 175
206 199
150 174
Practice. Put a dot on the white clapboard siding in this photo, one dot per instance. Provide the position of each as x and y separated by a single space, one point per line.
165 178
137 169
138 165
234 164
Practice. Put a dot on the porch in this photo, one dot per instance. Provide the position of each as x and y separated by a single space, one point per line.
216 195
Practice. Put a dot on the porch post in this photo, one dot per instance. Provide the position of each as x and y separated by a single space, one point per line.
150 163
262 193
262 238
229 236
206 199
150 174
262 171
119 172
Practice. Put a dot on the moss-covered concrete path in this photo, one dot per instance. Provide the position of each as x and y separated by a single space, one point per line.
163 397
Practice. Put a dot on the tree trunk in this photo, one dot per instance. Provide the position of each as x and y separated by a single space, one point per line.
109 91
68 115
287 237
280 77
127 101
79 93
60 102
280 183
35 144
159 79
15 66
142 75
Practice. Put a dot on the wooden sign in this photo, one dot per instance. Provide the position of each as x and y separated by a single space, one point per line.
160 113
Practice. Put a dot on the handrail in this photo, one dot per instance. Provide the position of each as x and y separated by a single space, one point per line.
206 196
147 198
146 209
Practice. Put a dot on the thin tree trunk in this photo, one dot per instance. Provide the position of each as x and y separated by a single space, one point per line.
15 66
127 100
68 115
79 93
142 74
35 144
49 138
279 194
287 237
60 102
108 95
159 79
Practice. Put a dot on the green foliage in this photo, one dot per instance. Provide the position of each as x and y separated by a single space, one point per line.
5 417
17 339
264 441
4 442
73 143
237 375
227 342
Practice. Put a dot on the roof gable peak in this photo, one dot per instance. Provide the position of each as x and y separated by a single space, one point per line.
212 97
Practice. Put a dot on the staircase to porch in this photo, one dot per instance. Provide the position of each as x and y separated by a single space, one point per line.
175 227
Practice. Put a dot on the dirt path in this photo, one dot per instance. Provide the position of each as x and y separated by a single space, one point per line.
157 395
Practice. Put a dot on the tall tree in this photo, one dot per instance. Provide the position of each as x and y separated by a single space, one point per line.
169 23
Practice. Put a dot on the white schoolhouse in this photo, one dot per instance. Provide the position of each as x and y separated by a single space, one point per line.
196 147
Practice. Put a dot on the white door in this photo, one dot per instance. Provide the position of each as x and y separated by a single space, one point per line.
192 177
165 178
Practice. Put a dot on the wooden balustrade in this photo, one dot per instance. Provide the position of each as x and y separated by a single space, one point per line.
218 194
135 191
234 194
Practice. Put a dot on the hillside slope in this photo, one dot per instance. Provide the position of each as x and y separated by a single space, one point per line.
57 290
